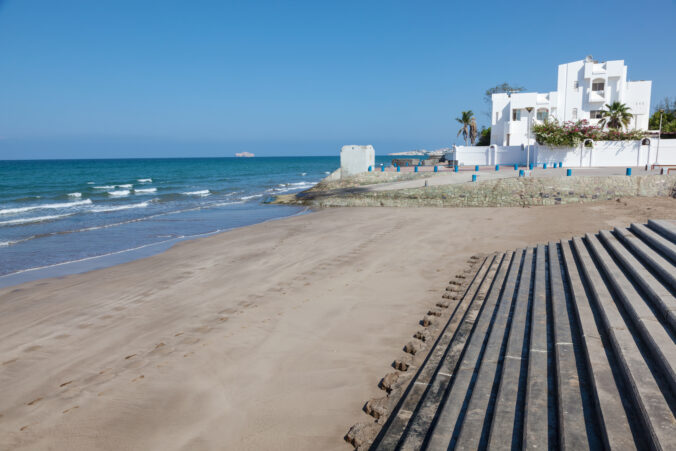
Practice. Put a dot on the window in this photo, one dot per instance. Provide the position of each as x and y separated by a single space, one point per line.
516 115
576 84
542 115
595 114
598 86
574 114
497 116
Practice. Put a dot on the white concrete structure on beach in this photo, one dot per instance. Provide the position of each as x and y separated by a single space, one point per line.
584 87
356 159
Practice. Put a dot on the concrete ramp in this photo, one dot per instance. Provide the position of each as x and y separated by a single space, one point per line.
567 345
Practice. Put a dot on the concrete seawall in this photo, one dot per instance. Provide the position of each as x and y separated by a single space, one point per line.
508 192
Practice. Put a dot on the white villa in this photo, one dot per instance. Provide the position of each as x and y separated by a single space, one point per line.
584 87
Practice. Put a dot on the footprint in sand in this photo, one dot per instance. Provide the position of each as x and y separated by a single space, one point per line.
66 383
62 336
8 362
72 408
36 400
32 348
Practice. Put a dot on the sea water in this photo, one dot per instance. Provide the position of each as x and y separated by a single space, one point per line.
57 211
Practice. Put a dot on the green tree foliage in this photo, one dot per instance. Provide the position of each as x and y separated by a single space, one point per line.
668 116
503 88
484 137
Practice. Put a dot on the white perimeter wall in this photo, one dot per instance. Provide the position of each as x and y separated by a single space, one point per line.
604 153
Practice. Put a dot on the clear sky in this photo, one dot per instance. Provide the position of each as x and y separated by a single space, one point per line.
141 78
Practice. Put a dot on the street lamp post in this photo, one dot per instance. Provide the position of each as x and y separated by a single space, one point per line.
529 109
659 138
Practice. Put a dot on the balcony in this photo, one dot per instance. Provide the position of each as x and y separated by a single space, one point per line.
597 96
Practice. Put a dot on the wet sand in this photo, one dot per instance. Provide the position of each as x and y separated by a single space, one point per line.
270 336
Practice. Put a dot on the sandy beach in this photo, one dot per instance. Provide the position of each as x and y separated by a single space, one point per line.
270 336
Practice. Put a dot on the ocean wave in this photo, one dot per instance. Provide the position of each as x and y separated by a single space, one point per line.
119 193
12 211
104 209
303 174
203 193
125 186
145 190
32 220
145 180
90 183
74 194
104 187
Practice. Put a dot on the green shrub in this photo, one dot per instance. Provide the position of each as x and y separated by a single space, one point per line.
571 134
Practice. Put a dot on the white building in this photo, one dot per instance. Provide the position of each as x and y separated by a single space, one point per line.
584 87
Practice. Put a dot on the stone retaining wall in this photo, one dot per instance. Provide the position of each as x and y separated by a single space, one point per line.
497 193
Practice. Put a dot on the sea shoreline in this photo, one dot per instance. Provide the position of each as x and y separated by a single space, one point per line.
92 263
270 336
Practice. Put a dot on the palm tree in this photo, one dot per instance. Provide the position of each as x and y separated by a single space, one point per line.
465 119
473 132
616 115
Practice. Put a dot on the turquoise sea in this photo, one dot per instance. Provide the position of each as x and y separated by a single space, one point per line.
58 211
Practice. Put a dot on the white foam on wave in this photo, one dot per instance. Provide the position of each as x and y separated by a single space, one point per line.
145 180
13 211
105 187
90 183
119 193
74 194
253 196
303 174
286 187
202 193
125 186
104 209
32 220
145 190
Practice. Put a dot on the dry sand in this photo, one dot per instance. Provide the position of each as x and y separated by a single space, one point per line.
267 337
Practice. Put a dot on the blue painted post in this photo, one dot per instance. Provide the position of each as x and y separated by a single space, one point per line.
436 169
560 164
530 166
544 165
497 167
521 173
416 169
455 168
628 171
474 177
476 168
370 168
516 167
398 168
569 172
407 163
382 169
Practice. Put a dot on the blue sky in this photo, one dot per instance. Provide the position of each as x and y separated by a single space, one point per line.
106 79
